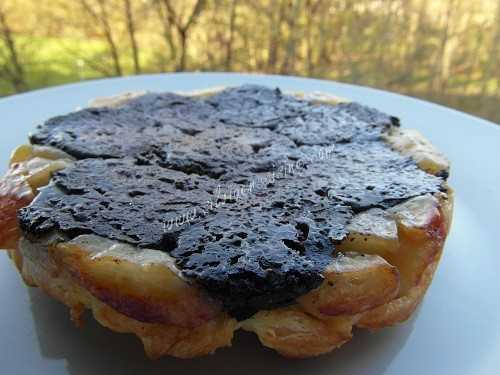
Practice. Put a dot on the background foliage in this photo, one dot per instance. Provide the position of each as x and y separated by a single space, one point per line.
443 50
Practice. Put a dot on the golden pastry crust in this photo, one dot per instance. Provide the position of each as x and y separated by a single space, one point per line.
296 334
381 285
158 339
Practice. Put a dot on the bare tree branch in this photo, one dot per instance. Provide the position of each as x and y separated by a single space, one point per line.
103 19
16 74
183 28
439 82
494 58
167 30
230 41
275 37
129 17
291 20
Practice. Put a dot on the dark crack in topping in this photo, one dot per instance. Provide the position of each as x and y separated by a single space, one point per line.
162 160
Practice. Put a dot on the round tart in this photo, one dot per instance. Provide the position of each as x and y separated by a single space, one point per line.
183 218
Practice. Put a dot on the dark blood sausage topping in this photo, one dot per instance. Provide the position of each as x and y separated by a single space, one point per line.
342 123
117 199
161 119
222 152
104 132
249 189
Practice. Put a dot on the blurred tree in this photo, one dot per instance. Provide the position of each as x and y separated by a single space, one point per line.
100 15
231 32
438 83
167 32
292 20
492 68
182 27
131 33
443 50
11 68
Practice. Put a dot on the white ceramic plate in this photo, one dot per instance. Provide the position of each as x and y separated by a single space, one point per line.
455 331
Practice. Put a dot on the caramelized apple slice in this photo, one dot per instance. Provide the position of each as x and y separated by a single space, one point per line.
417 213
371 232
27 152
353 283
411 143
421 228
17 189
39 171
15 193
140 283
31 168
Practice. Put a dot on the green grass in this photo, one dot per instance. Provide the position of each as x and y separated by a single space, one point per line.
55 61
